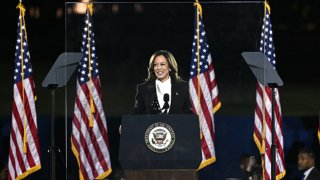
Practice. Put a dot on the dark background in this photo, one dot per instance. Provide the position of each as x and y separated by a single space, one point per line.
125 40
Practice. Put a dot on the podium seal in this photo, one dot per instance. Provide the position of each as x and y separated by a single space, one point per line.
159 137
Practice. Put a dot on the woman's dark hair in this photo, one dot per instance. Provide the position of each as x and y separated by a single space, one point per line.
171 62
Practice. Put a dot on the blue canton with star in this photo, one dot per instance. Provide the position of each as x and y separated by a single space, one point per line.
22 53
266 42
203 49
88 46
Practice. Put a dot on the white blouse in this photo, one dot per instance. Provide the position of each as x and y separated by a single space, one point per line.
163 88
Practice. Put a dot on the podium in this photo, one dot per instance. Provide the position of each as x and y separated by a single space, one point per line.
160 147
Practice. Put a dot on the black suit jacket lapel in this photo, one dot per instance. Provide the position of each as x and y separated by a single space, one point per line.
312 174
174 98
150 94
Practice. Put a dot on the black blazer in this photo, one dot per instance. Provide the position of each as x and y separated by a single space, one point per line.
146 93
314 175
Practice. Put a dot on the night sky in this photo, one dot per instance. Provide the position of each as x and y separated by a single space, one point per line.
125 40
127 34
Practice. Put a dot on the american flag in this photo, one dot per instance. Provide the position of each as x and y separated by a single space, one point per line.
263 111
203 89
24 152
89 127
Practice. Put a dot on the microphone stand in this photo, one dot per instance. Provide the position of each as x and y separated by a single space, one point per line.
165 107
166 103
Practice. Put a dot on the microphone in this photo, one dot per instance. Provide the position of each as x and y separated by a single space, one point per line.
166 103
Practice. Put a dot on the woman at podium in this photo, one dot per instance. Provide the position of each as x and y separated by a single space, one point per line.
163 91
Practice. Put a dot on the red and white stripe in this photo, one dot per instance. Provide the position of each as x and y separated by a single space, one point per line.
23 118
90 144
204 104
214 88
262 130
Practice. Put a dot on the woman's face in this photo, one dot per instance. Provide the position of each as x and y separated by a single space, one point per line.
161 68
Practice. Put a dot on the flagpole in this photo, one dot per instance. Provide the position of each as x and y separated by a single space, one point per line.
263 145
319 128
92 109
22 25
198 57
199 10
273 145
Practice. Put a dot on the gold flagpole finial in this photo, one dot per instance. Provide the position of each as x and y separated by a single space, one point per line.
198 5
90 8
21 7
267 6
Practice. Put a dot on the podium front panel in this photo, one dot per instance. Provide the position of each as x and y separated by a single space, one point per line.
134 152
